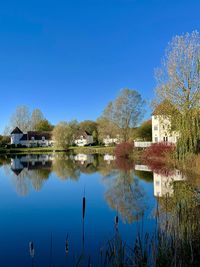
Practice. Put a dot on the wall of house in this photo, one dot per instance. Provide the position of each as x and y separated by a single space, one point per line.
15 138
83 141
16 164
161 130
108 140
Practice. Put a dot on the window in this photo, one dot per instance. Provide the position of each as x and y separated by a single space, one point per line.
156 139
32 138
155 127
165 139
43 138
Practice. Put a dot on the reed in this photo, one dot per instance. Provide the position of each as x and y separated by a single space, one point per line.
174 242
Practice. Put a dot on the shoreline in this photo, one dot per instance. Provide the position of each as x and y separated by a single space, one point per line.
49 150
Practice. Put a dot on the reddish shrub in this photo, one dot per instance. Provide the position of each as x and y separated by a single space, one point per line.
155 157
158 150
160 167
124 150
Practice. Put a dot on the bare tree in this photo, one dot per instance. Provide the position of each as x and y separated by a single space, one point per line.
21 118
178 78
125 112
178 83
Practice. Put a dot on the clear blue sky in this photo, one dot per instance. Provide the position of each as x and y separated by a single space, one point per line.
70 58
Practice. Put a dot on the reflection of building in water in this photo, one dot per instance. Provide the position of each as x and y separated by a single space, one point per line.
108 158
142 168
163 184
84 159
31 162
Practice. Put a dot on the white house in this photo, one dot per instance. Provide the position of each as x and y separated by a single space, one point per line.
83 139
31 138
111 140
161 130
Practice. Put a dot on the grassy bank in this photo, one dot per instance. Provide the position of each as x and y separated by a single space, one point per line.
92 150
45 150
190 167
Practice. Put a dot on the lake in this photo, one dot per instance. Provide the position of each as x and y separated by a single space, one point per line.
41 204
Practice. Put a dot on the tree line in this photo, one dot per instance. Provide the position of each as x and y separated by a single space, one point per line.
119 118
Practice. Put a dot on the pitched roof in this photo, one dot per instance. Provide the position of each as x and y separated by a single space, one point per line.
17 171
16 131
24 137
83 133
37 136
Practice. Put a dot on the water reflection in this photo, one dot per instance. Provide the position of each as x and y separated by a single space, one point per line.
163 182
124 192
120 175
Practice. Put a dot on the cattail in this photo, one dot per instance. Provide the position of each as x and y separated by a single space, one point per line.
116 220
89 262
31 249
67 246
84 205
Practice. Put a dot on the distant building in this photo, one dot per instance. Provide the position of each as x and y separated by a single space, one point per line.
31 138
111 140
83 139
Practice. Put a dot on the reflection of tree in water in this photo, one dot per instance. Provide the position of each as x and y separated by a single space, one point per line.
184 202
4 160
125 195
30 178
125 164
65 168
22 183
179 214
144 175
104 168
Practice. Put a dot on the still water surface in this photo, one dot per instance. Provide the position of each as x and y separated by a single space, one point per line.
41 202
